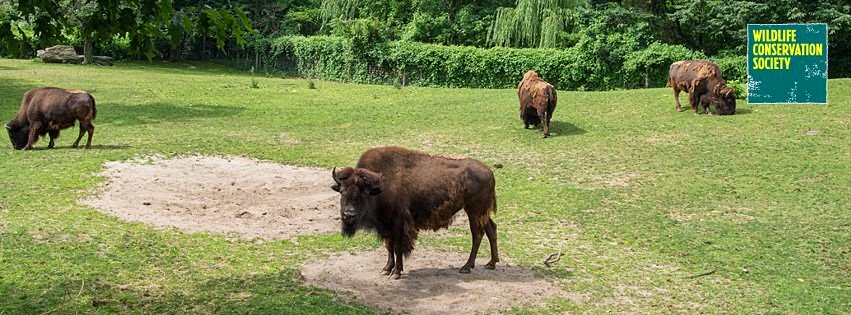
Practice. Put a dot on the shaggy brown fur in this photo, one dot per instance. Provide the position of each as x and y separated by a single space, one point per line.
48 110
537 101
396 192
703 82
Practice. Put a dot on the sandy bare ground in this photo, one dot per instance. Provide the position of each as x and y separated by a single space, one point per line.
256 199
248 197
431 283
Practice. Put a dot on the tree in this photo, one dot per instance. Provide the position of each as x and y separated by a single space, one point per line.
532 23
143 21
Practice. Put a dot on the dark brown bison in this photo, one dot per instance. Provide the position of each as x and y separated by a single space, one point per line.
46 111
537 101
703 82
396 192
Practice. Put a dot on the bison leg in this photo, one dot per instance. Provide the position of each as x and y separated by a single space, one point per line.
33 136
53 135
401 246
706 108
693 101
545 119
85 126
477 232
677 98
490 230
91 130
388 243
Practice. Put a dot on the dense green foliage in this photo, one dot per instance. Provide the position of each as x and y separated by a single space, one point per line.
640 197
96 24
413 63
615 44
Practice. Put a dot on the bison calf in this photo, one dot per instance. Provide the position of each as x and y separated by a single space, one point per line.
396 192
703 81
47 110
537 101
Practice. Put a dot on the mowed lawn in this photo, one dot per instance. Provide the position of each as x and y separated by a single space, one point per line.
656 211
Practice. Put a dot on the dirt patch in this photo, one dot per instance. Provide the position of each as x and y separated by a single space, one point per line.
431 283
251 198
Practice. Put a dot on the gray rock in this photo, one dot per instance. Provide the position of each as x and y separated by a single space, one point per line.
67 54
59 54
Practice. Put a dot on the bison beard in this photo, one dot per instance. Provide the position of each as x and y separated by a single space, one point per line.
703 82
396 192
45 111
537 101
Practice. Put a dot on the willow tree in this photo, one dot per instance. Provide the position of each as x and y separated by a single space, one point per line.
338 9
532 23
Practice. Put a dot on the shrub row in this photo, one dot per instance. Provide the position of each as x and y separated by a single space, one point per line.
414 63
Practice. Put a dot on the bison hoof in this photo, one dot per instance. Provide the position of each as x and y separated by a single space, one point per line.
385 272
396 276
490 266
679 109
464 270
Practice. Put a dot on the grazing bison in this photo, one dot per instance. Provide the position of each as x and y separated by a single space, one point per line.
702 80
47 110
537 101
396 192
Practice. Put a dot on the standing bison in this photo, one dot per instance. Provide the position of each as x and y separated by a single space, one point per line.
396 192
46 111
704 84
537 101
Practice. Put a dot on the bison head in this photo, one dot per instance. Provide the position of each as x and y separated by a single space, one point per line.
357 188
18 135
726 101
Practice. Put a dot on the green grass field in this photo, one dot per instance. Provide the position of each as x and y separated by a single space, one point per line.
642 198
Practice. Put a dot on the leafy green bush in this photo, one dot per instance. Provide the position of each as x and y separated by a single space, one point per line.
733 67
651 64
583 67
741 91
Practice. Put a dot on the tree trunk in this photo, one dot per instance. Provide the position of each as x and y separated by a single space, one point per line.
646 77
87 50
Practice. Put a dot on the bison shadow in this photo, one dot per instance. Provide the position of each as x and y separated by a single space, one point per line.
560 128
81 147
130 115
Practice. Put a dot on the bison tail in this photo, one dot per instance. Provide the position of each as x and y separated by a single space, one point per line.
493 200
551 98
94 108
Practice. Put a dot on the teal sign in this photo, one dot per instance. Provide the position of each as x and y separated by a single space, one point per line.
787 63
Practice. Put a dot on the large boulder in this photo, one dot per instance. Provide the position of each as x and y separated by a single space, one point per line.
59 54
67 54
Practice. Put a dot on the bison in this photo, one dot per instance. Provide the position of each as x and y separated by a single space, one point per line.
537 101
46 111
704 84
397 192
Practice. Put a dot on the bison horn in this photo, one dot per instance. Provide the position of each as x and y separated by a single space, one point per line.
7 126
334 175
728 92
